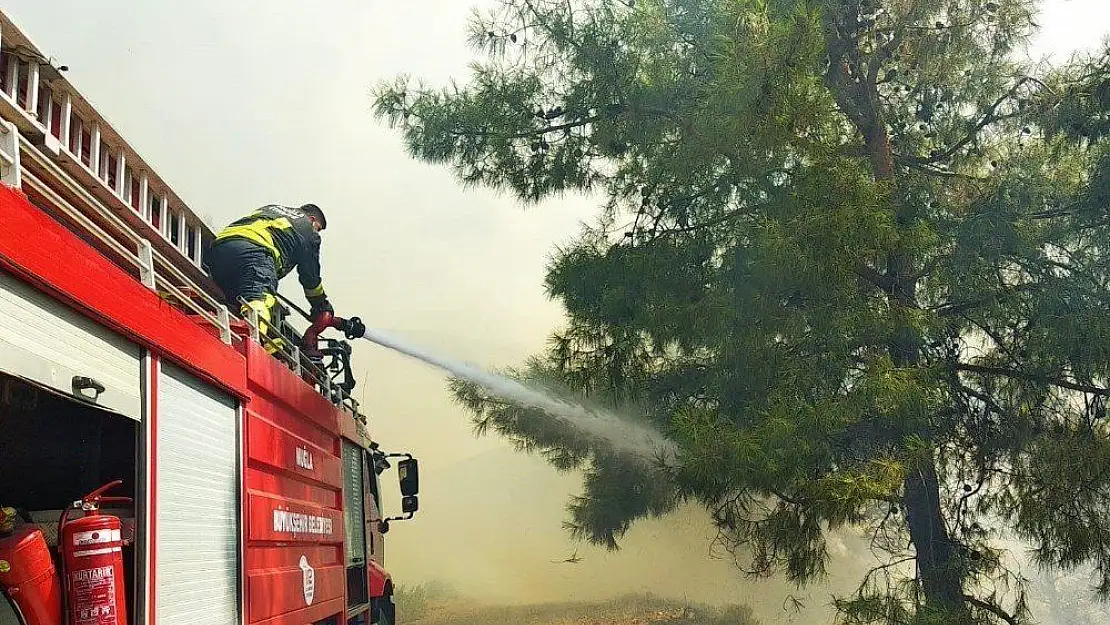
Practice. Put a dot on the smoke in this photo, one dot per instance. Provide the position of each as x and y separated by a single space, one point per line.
490 525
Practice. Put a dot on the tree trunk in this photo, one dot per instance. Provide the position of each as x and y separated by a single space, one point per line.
854 88
938 566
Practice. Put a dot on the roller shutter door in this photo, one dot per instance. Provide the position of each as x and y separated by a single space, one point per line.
197 513
46 342
354 504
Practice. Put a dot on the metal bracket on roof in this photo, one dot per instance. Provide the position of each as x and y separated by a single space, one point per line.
9 155
146 264
224 318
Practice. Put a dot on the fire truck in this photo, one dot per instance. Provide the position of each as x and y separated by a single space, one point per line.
157 464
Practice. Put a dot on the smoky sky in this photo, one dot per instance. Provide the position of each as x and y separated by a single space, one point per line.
239 104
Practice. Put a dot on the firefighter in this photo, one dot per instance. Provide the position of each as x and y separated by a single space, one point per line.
251 255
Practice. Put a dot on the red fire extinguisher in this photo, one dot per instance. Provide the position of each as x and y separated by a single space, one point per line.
92 562
27 573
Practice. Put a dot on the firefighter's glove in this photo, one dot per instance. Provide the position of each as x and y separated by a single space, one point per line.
320 305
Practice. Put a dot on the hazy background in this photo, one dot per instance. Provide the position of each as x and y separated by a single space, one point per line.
245 102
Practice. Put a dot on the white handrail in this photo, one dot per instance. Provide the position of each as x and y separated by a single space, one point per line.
47 109
39 186
154 269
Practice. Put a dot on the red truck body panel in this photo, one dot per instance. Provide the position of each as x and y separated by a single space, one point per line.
294 488
42 252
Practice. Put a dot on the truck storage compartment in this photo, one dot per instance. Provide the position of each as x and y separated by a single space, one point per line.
54 450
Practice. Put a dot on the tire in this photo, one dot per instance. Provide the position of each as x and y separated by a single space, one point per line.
385 612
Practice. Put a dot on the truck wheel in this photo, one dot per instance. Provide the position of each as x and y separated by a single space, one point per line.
386 612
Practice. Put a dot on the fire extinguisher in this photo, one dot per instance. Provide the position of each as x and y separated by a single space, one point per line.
92 562
27 574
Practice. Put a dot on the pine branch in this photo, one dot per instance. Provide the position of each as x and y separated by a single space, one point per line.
930 170
959 308
987 400
993 609
471 132
1033 377
882 568
1066 211
856 93
716 221
873 276
899 32
988 118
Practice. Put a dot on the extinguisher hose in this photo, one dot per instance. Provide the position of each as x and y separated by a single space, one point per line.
96 494
62 518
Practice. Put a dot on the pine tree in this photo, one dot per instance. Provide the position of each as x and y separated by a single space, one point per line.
849 260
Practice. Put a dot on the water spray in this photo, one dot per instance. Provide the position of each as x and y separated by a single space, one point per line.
623 434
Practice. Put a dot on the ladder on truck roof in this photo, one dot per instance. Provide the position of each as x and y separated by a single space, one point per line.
71 163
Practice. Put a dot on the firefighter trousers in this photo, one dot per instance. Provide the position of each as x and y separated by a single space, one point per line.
247 275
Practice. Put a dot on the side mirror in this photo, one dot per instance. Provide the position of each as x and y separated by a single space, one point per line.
408 471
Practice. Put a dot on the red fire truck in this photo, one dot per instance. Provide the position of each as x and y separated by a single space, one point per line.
157 465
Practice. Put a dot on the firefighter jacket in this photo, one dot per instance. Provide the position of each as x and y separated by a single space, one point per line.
287 234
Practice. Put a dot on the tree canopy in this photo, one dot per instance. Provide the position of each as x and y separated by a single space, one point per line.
849 259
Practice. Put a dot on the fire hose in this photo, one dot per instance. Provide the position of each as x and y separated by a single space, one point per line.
352 327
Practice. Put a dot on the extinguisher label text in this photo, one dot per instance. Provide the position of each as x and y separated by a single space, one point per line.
92 575
93 596
298 523
82 539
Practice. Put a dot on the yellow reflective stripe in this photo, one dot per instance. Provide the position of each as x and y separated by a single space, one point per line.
317 292
248 232
258 232
262 306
